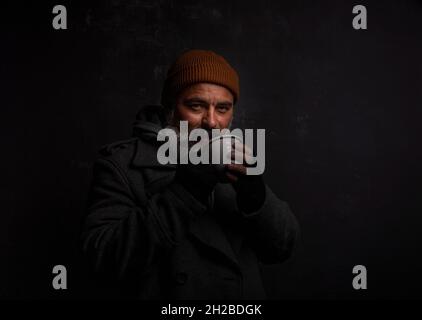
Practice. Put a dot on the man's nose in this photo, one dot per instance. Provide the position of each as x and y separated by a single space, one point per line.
209 120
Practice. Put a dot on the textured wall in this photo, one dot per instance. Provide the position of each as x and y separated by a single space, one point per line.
342 110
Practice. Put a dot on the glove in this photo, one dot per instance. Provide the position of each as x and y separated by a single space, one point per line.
199 180
250 192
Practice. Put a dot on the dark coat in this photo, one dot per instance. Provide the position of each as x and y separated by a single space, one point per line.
148 237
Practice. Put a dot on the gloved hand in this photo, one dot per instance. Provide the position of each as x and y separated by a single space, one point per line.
250 189
250 192
198 179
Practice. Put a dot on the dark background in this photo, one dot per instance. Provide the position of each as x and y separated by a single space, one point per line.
341 107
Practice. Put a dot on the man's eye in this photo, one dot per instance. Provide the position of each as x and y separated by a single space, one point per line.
222 109
195 106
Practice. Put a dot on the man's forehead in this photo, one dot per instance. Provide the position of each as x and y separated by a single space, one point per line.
207 91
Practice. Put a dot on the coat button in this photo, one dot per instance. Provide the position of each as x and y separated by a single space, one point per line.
181 278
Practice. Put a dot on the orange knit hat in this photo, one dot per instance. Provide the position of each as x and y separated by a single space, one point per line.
195 66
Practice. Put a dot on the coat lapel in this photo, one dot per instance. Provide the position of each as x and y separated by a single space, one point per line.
204 228
208 232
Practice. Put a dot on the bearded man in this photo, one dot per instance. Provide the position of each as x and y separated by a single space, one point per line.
155 231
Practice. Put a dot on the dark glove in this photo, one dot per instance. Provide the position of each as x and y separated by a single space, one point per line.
198 179
250 191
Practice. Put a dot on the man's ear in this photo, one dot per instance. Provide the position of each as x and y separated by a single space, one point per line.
171 116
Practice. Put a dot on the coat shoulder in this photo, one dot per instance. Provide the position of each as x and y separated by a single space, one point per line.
120 152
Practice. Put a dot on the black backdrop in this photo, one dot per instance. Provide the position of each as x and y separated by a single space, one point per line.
341 107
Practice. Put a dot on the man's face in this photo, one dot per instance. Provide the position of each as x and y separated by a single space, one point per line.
205 105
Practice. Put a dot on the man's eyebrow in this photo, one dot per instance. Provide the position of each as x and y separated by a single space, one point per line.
225 103
195 99
202 101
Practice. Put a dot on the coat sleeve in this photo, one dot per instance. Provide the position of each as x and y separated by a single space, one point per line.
118 236
272 230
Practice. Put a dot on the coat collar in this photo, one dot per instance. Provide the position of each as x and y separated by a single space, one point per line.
145 155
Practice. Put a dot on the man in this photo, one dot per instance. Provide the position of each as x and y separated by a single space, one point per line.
179 231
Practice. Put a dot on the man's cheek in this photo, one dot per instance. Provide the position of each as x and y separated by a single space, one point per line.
225 123
195 122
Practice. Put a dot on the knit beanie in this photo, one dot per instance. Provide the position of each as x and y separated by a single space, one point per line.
196 66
